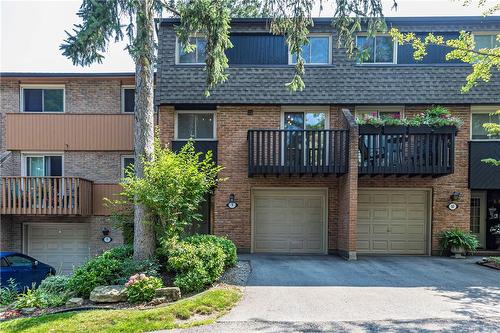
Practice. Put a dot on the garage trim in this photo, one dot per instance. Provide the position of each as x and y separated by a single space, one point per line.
429 211
322 190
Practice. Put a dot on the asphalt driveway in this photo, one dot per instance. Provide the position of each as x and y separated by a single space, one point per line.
326 293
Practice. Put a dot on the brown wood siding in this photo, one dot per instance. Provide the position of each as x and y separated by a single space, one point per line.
101 132
102 191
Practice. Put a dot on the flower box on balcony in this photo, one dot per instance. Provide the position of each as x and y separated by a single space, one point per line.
421 129
445 129
394 129
370 129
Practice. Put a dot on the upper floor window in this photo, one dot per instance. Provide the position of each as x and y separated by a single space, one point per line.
377 50
195 124
195 57
305 118
127 162
128 99
42 98
317 51
481 116
486 40
38 165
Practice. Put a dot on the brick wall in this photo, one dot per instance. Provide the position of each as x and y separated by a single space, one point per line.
232 125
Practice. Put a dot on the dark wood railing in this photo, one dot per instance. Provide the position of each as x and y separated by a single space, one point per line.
45 196
297 151
407 153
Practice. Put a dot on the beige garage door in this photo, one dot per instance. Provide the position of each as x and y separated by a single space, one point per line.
289 221
61 245
392 221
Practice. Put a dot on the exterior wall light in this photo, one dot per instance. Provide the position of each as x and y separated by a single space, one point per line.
455 196
106 238
232 203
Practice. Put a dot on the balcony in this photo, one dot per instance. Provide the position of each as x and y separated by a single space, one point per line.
45 196
483 176
297 152
406 151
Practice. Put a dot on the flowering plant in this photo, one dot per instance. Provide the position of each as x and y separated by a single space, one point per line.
370 120
141 288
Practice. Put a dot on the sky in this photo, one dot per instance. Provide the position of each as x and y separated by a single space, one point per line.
31 32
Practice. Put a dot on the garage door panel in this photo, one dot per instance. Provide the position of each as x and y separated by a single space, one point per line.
291 221
63 246
392 221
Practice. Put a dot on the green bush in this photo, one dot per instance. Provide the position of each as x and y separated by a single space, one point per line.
98 271
194 265
30 298
8 294
225 244
458 238
55 284
141 288
119 253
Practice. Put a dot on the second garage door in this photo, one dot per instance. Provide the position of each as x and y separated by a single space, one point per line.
289 221
61 245
392 221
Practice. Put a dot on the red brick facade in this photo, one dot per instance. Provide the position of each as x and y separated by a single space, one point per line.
232 124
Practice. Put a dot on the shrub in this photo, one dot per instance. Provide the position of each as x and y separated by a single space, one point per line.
55 284
101 270
30 298
119 253
457 238
8 294
195 265
141 288
225 244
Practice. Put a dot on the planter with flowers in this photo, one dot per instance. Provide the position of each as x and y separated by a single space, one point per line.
370 124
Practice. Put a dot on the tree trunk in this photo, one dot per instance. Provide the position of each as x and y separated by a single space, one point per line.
144 233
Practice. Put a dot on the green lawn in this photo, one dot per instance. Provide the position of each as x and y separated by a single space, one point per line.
212 303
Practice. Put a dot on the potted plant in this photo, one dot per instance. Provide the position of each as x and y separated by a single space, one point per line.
458 242
394 125
416 125
441 120
369 124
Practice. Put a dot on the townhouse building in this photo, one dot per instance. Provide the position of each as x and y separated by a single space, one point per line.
302 176
305 178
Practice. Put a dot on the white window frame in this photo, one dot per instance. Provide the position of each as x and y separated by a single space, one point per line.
394 49
178 51
25 155
122 163
475 109
176 122
41 86
305 109
484 33
364 109
290 56
122 97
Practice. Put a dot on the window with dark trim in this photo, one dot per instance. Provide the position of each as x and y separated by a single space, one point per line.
128 100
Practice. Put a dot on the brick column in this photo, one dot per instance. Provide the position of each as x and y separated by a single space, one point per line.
348 193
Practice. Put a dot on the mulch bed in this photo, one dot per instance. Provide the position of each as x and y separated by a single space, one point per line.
490 264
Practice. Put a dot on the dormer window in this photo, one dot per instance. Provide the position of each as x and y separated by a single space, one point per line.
197 57
377 50
317 52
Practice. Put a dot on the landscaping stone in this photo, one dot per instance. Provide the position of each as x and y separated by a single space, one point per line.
28 311
169 294
75 301
158 300
108 294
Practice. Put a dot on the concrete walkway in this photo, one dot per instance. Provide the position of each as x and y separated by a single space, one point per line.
324 294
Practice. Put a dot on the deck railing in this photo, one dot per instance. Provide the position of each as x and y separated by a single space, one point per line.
45 196
297 152
407 153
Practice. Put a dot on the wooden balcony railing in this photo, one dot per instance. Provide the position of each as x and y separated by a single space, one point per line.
297 151
407 153
45 196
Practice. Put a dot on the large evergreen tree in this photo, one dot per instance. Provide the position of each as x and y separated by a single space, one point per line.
104 21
